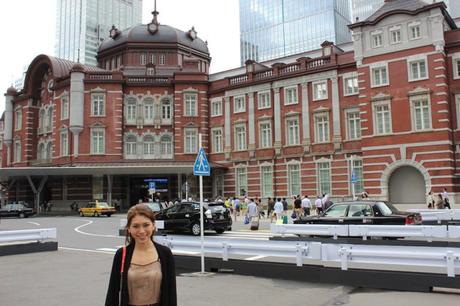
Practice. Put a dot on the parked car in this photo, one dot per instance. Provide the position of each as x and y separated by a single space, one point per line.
363 212
185 216
97 209
16 210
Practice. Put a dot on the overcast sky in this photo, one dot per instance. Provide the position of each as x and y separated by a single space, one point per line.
28 29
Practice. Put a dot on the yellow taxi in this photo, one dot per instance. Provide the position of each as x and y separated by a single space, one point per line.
96 209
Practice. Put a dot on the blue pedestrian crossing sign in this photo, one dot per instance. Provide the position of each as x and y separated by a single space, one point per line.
152 186
201 166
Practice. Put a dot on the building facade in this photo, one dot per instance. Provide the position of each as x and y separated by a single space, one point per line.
271 29
81 25
385 111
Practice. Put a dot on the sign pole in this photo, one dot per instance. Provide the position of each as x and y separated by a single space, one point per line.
201 215
353 178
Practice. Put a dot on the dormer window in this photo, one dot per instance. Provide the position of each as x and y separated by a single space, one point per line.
377 39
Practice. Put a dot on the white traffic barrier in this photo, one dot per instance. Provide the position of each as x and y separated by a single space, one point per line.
454 232
297 250
28 235
422 231
423 257
438 215
160 224
310 229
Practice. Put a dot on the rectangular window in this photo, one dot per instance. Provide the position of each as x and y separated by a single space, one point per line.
290 95
153 59
456 64
292 128
239 104
377 40
143 59
131 111
414 32
379 76
382 117
320 90
457 106
190 105
17 151
357 168
395 36
97 141
18 119
265 135
240 137
148 111
64 108
417 70
266 179
241 181
190 141
162 59
421 114
350 85
263 99
216 108
294 179
353 125
97 105
217 146
324 178
322 127
64 143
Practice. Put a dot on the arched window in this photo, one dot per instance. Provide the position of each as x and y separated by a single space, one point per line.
49 118
148 145
41 152
131 145
165 109
148 109
41 121
166 145
49 151
131 109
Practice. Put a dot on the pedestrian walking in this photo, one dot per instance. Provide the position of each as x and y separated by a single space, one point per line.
236 207
445 197
278 209
252 212
143 272
306 205
430 200
319 205
285 206
270 208
326 201
439 204
298 211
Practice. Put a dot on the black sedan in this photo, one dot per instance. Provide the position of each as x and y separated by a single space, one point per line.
363 212
16 210
185 216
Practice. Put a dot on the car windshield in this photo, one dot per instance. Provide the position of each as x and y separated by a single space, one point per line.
336 211
386 209
216 207
103 204
155 206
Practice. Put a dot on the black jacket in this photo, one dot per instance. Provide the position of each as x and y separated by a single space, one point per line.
168 295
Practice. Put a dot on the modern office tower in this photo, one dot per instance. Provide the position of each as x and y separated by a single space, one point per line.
82 24
275 28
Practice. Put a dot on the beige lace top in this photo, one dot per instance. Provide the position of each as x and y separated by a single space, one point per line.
144 283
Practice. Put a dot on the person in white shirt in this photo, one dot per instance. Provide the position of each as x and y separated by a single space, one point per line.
306 204
236 207
319 205
445 197
253 212
278 209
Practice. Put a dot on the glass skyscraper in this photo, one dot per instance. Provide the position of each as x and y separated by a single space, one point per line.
82 24
271 29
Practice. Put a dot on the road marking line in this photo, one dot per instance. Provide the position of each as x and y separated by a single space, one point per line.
255 257
85 250
35 223
107 250
77 229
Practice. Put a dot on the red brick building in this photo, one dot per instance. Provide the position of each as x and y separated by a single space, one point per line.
384 108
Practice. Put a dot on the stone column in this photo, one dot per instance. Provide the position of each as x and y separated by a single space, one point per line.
277 119
305 119
8 123
251 125
77 103
337 137
227 129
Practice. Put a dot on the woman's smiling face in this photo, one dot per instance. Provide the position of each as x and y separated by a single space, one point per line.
141 229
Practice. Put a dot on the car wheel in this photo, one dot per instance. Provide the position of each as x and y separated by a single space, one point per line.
81 214
96 214
21 215
196 229
108 215
220 231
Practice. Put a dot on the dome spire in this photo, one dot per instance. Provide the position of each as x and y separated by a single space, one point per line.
153 26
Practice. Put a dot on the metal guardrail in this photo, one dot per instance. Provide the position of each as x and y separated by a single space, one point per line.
365 231
438 215
326 253
28 235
